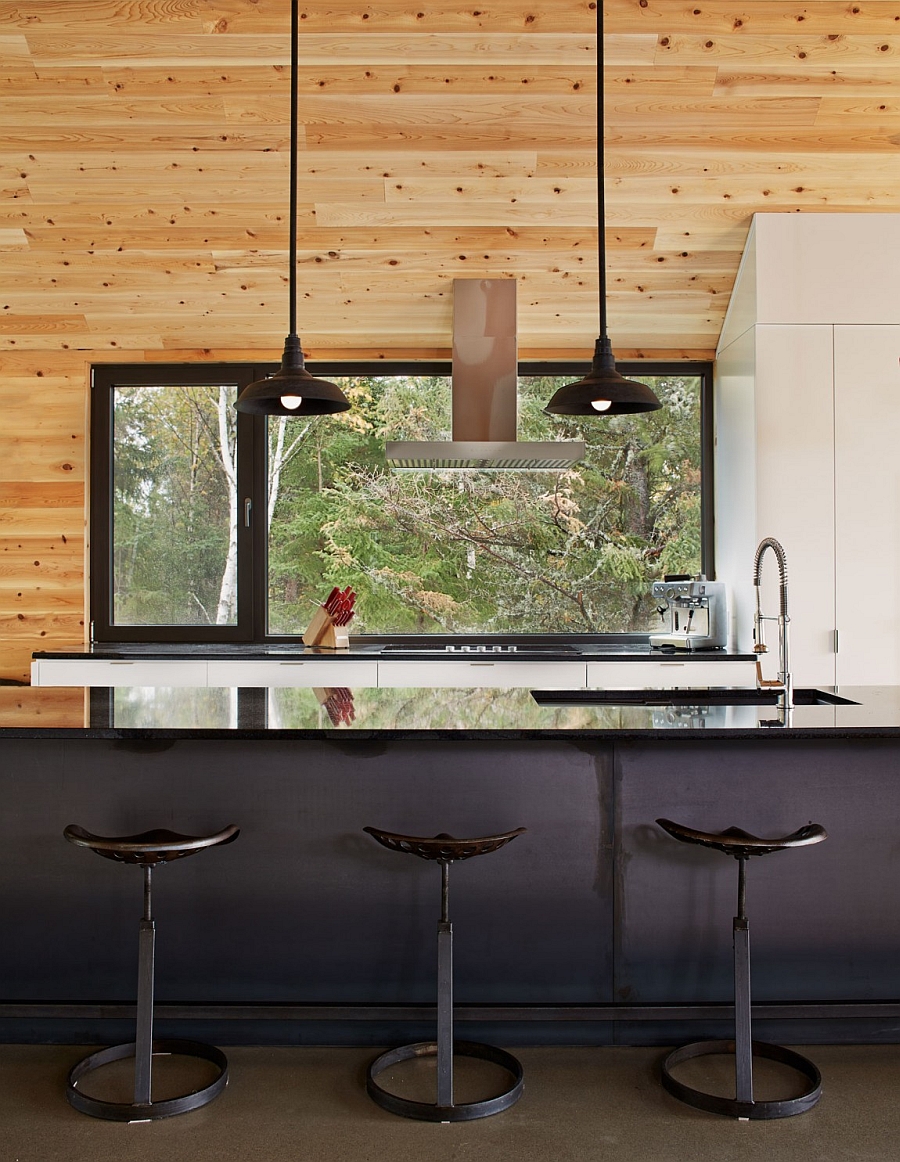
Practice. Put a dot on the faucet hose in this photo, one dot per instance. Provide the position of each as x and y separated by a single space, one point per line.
775 546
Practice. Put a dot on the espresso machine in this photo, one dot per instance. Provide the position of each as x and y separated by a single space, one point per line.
693 611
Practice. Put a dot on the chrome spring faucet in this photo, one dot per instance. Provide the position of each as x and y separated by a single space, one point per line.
784 673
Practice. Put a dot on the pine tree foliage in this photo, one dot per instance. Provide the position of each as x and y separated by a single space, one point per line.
488 552
472 551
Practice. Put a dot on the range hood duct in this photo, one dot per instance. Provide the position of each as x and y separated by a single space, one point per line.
485 376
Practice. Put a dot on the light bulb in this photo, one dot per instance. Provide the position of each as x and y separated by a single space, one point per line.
292 402
599 405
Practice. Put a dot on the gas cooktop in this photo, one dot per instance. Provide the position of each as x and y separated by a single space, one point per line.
480 649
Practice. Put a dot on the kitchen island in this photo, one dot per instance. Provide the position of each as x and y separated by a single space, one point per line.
593 927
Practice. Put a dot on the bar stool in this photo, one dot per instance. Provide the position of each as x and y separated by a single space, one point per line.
147 850
444 849
742 846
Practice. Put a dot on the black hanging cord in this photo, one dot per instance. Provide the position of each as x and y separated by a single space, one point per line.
601 199
292 382
603 389
295 28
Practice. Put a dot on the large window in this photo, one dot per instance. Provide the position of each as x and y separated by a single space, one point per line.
210 526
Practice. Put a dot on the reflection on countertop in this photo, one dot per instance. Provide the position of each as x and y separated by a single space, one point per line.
392 713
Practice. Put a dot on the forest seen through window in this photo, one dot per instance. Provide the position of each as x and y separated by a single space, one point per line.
468 551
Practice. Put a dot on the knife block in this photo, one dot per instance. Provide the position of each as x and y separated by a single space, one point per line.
324 634
338 703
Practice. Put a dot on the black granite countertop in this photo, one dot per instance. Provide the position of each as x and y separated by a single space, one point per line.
590 647
162 713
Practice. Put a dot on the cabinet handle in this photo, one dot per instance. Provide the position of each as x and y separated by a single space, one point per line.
292 663
481 663
121 663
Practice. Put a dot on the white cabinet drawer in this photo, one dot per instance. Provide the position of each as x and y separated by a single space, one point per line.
665 675
530 675
112 672
309 672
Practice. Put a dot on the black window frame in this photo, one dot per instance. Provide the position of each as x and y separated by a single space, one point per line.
252 604
104 380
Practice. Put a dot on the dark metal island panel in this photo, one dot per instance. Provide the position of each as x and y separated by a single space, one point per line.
592 927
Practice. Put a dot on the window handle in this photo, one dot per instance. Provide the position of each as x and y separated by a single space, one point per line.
248 505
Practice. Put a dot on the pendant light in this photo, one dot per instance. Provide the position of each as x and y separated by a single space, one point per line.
603 391
292 390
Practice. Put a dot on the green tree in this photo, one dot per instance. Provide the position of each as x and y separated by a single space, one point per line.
172 506
478 551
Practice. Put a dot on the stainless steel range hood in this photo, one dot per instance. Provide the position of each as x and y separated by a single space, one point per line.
485 372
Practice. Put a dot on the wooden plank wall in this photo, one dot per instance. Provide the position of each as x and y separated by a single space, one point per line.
143 189
42 505
44 433
143 167
43 706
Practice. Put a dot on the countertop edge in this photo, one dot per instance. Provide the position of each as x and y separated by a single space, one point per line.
147 734
373 653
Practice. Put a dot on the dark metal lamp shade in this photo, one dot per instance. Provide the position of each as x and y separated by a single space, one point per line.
603 391
292 390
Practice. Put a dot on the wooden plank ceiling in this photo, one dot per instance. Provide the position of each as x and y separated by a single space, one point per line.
143 163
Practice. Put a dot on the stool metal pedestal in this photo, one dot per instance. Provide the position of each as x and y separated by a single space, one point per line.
444 849
147 850
743 1105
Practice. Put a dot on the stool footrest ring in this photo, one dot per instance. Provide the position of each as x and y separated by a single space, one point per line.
731 1107
115 1111
458 1112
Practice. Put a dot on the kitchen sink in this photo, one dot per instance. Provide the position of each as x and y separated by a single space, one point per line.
694 697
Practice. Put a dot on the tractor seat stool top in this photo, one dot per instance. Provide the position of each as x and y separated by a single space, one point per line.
444 849
740 844
148 850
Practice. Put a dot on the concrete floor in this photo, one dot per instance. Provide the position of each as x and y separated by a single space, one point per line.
579 1104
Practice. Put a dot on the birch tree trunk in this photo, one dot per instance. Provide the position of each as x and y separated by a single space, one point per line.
227 607
226 611
278 457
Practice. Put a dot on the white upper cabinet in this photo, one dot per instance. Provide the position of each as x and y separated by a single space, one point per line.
867 503
803 269
795 434
775 477
807 416
828 268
